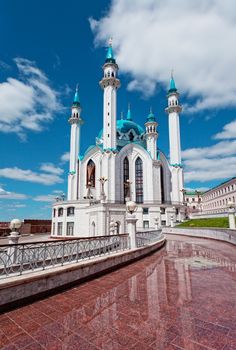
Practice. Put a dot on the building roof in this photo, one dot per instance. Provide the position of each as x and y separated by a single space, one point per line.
222 183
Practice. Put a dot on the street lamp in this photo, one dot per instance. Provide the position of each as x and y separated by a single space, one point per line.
102 181
128 184
131 207
15 225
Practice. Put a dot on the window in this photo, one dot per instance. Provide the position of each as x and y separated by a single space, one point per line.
139 180
125 178
145 224
91 173
54 213
70 211
187 199
60 212
70 229
145 210
131 136
163 210
193 199
59 228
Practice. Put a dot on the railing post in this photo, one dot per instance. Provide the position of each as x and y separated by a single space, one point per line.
12 251
131 228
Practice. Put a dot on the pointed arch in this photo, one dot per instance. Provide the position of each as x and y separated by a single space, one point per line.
139 180
91 171
126 177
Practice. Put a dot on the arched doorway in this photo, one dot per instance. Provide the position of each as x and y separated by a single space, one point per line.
91 170
125 178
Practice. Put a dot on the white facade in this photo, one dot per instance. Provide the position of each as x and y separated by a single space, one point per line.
215 200
125 163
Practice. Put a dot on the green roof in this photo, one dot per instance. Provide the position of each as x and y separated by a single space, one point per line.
76 101
124 125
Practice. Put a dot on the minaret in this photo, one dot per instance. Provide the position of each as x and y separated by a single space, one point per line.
109 84
151 135
129 116
75 122
173 110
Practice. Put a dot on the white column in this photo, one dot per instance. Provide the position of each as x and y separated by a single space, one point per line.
131 228
231 213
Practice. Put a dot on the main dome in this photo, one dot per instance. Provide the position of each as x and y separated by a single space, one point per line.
124 126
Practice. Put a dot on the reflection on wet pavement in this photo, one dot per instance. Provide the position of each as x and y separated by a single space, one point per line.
181 297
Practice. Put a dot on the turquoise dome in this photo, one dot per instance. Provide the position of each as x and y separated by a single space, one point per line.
124 126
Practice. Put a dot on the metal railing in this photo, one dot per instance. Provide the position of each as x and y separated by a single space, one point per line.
146 237
17 259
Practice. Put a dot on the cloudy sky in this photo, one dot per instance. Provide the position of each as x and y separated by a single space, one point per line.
49 46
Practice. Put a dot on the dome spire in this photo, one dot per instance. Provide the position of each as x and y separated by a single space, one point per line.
129 116
151 116
110 56
76 101
172 83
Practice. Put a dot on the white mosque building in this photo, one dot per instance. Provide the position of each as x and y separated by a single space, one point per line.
124 164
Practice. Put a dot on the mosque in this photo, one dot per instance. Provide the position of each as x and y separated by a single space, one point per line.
124 164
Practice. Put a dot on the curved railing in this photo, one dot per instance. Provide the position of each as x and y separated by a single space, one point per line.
16 259
146 237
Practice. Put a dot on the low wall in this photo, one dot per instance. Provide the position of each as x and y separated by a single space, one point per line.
38 284
225 235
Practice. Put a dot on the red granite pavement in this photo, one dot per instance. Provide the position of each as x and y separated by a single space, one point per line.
181 297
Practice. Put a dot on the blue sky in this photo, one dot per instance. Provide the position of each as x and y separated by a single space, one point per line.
49 46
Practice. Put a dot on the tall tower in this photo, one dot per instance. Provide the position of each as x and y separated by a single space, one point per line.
75 122
173 110
151 135
109 84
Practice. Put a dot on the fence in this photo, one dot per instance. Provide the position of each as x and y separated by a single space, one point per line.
146 237
16 259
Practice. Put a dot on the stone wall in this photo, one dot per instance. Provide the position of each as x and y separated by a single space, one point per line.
226 235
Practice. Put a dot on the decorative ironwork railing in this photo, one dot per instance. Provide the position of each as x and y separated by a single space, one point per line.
16 259
146 237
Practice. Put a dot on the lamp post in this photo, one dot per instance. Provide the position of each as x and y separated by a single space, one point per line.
102 181
156 223
198 193
184 191
128 184
15 226
231 214
131 220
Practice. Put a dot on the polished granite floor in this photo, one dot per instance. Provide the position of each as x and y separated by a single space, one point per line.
181 297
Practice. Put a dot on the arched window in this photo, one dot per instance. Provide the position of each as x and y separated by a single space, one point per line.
91 173
126 177
131 136
139 180
60 212
70 211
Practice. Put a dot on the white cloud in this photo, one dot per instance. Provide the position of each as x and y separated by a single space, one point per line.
11 195
30 176
228 132
45 198
51 168
194 37
216 162
65 157
27 103
49 197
